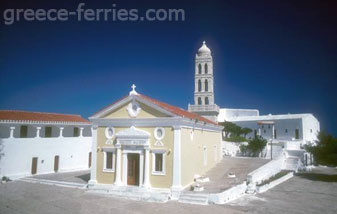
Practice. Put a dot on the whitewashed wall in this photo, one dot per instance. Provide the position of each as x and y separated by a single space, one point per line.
18 153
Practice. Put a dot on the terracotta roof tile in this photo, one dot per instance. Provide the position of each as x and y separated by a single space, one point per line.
178 111
39 116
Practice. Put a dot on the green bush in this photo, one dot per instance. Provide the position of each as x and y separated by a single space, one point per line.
325 150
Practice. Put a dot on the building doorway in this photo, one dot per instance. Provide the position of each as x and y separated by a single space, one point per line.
133 169
34 165
56 163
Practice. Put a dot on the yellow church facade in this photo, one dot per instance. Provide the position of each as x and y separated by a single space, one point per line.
143 143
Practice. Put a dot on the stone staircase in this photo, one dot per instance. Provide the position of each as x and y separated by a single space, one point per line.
294 159
132 193
193 198
55 183
277 151
292 163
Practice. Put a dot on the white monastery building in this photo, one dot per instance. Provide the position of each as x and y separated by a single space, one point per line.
37 143
296 128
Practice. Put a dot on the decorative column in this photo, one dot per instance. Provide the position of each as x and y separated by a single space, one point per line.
125 169
176 185
11 131
81 132
38 130
146 169
61 131
118 180
93 172
141 168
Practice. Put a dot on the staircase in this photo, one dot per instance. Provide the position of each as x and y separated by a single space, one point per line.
277 151
193 198
292 164
133 193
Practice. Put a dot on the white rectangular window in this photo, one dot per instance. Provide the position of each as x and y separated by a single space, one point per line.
158 162
205 155
109 163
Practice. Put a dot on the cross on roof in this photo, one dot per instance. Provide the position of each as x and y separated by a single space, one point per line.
133 92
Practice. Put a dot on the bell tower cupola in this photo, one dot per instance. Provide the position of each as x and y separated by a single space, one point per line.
204 85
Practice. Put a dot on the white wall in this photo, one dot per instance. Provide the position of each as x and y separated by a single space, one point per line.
281 126
227 113
18 154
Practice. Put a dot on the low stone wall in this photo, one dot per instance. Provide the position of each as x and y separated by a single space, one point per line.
260 189
228 195
266 171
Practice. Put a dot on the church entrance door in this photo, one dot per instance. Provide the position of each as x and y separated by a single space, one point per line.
133 169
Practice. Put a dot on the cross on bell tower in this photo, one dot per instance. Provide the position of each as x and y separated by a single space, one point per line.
204 85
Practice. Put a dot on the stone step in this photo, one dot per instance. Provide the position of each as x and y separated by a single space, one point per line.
190 198
56 183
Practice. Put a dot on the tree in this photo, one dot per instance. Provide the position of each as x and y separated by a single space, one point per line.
231 129
255 146
246 131
325 150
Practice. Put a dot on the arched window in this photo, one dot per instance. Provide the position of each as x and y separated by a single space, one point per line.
199 68
206 101
199 101
199 85
206 85
206 68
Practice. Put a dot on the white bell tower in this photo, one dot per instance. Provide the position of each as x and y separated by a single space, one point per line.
204 85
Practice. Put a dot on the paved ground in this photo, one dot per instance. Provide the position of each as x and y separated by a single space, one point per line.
81 177
241 167
306 193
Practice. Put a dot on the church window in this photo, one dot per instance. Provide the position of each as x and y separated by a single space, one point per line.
199 100
206 101
286 131
206 85
109 132
206 68
158 162
199 85
108 161
199 68
159 133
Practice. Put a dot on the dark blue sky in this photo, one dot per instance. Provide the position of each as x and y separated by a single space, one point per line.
276 56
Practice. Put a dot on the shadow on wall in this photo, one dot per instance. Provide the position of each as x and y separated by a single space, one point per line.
318 177
85 177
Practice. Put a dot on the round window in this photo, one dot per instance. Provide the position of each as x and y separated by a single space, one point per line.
109 132
159 133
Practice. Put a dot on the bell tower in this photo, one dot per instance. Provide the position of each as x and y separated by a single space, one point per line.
204 85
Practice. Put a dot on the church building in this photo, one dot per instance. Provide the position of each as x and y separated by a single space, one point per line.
143 143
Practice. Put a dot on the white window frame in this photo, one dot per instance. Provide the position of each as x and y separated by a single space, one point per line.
215 153
113 151
154 152
107 133
163 133
204 150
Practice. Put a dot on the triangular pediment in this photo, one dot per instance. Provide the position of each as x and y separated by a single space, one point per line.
132 106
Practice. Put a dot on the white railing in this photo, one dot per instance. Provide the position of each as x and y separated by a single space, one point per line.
212 107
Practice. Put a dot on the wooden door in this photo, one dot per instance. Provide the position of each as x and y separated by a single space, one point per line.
89 164
56 163
133 169
34 165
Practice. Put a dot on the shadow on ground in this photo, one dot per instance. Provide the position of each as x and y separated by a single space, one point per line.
318 177
84 177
